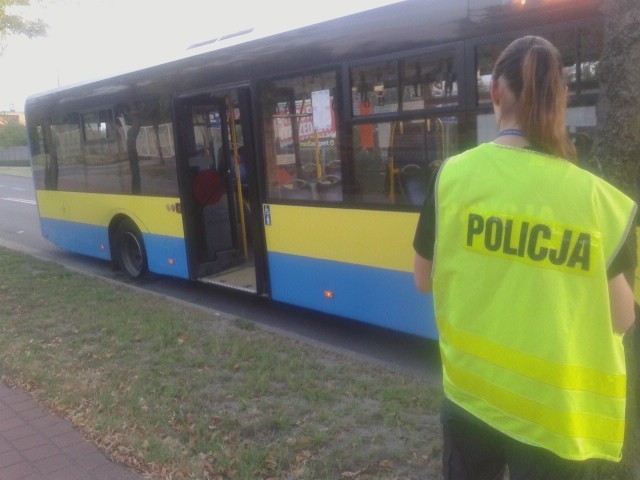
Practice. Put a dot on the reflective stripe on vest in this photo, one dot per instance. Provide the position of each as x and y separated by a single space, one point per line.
520 293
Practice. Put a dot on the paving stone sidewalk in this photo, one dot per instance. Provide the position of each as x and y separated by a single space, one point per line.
36 445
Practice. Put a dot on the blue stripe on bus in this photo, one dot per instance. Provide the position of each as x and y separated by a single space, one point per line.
165 255
386 298
77 237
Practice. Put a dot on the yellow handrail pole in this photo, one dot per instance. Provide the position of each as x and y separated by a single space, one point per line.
236 165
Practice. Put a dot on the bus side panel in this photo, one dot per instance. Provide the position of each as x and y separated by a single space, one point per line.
91 240
353 263
166 255
385 298
79 222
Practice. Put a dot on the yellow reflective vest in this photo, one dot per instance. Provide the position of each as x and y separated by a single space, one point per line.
523 242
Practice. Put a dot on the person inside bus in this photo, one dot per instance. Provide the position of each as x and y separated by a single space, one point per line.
201 160
242 167
526 256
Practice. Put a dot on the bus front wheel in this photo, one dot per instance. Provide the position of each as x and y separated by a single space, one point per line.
132 258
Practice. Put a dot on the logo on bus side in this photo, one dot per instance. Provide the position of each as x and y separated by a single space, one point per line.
534 242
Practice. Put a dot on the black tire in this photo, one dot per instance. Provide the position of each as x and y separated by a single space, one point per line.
130 251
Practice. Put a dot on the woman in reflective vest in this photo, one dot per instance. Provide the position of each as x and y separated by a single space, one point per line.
525 253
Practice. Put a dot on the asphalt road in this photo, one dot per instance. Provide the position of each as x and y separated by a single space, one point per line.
20 230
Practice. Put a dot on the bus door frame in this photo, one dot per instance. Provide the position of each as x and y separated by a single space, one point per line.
219 97
250 128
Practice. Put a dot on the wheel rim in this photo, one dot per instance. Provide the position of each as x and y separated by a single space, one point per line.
131 254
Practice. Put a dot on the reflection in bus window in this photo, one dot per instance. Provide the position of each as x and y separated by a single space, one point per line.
393 161
39 156
129 152
581 125
486 56
65 149
102 151
580 49
429 82
146 160
206 149
590 48
52 141
97 125
301 147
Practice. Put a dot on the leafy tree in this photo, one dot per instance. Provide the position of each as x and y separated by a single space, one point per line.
11 24
617 148
13 134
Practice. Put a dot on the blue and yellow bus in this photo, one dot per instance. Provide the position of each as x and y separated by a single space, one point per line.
292 165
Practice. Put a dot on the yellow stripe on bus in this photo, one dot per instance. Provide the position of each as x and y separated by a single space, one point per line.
152 214
361 237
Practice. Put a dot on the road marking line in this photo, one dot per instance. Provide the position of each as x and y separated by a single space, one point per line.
19 200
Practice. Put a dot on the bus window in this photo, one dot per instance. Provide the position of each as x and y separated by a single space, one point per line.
581 124
393 161
375 88
300 140
429 82
97 126
101 150
486 56
580 49
146 157
40 156
207 151
590 49
486 129
65 141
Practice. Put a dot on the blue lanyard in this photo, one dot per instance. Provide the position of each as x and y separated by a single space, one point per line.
511 131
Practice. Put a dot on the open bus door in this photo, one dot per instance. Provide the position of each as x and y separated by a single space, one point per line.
214 190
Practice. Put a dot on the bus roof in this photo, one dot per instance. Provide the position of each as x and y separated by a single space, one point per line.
400 26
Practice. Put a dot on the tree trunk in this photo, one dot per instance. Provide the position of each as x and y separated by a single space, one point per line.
156 130
132 150
617 150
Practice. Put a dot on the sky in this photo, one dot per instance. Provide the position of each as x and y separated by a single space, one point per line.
90 39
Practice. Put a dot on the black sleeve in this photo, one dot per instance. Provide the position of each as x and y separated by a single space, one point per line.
622 262
425 237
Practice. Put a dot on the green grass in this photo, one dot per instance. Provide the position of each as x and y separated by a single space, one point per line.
184 394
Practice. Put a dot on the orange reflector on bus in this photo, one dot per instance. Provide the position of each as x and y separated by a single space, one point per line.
103 248
171 261
328 294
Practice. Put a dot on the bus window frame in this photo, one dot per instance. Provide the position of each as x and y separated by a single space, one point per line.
456 48
339 105
575 99
460 110
109 134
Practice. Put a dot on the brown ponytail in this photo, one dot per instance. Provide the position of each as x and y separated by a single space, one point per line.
532 68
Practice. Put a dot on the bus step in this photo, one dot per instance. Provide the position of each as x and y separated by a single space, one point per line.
240 278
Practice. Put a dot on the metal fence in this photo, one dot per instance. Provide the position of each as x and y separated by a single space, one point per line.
15 157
